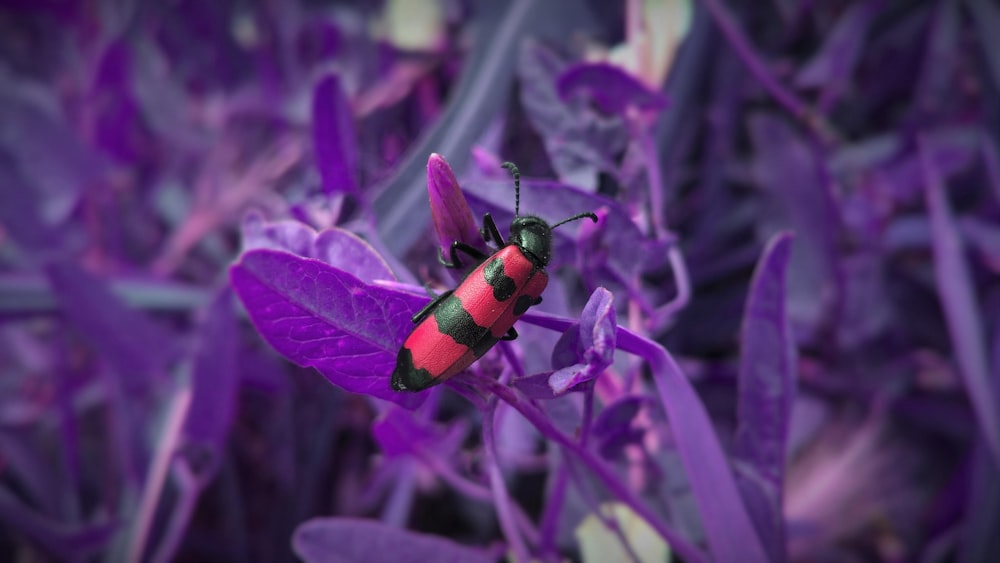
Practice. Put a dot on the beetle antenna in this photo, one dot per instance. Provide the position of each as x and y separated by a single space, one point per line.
517 185
592 217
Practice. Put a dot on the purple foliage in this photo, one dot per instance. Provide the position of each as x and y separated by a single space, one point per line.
779 341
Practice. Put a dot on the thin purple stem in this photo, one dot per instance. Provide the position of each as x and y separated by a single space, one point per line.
683 282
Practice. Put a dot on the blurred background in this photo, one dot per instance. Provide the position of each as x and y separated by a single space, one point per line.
142 417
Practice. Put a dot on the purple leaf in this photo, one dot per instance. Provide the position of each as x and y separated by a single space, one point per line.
766 394
453 220
288 235
213 375
958 301
138 348
610 88
789 171
339 248
321 317
346 251
613 428
596 343
401 432
117 118
535 386
349 540
334 137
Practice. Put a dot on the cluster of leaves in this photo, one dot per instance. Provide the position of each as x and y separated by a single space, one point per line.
798 200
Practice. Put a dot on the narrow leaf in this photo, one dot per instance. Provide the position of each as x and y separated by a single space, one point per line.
958 300
343 540
766 393
334 137
213 375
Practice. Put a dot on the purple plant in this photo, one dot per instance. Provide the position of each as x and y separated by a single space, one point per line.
778 342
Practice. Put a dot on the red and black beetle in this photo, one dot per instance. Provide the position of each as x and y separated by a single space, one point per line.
459 326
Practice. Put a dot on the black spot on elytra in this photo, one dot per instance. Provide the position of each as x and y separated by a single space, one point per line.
503 285
522 304
406 377
453 320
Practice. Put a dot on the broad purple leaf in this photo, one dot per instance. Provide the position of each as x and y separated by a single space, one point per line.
137 347
596 343
766 393
214 378
866 310
789 172
350 540
321 317
453 220
334 138
958 301
609 87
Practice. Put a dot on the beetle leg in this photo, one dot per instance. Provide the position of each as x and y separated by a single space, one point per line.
538 301
457 246
511 334
490 231
422 314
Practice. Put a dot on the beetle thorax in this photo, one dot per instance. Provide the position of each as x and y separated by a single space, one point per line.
534 237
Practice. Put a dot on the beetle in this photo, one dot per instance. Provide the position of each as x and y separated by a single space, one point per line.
458 326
